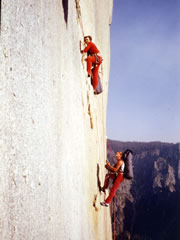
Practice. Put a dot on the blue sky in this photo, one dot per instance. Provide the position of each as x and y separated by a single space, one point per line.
144 86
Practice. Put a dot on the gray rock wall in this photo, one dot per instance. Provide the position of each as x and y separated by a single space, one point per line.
52 125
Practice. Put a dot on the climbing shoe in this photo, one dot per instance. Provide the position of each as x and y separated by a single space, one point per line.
104 204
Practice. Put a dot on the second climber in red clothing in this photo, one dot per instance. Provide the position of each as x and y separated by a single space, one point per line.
116 173
93 60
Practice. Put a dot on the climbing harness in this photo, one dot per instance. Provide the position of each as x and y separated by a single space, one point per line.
98 58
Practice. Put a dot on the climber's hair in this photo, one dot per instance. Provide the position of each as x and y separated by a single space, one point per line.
88 37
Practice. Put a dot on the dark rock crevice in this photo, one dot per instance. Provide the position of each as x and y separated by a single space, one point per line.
65 8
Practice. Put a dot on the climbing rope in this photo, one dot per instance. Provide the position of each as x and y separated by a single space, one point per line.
78 9
110 150
83 55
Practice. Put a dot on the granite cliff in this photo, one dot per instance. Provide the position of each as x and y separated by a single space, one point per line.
148 207
53 133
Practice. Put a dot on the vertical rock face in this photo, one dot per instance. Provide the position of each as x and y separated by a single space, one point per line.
164 175
52 125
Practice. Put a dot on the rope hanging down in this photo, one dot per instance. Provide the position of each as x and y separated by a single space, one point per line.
78 9
110 151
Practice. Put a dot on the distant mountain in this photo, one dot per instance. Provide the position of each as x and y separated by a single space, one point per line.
148 207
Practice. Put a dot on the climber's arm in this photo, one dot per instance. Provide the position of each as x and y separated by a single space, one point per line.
116 168
86 48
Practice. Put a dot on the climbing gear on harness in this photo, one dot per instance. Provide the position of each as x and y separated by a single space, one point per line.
98 58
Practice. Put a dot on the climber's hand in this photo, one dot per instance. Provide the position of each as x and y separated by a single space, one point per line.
106 166
107 162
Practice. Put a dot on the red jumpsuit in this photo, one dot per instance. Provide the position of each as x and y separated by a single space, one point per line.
117 181
92 50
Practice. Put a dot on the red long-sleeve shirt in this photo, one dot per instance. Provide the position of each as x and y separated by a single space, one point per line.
91 48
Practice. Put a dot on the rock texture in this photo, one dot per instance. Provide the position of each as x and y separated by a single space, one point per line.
148 207
52 125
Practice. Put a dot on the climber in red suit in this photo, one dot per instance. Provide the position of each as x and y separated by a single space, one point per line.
93 58
116 173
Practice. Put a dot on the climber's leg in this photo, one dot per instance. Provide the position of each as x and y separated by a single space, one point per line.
107 178
95 76
90 60
118 180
